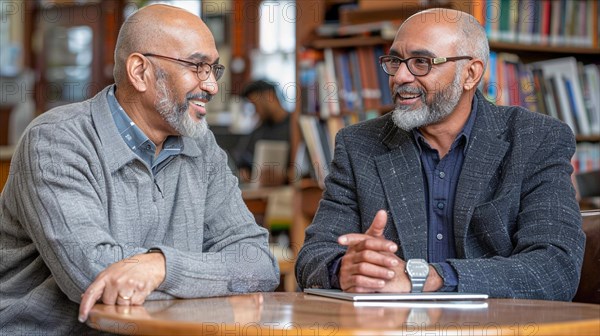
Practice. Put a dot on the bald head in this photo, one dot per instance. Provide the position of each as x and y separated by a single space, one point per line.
153 29
466 32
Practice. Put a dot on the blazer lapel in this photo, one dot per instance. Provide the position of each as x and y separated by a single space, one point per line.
402 180
485 152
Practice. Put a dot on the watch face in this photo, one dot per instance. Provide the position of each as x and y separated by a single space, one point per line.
417 268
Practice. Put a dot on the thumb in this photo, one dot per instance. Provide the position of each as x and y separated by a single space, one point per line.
378 224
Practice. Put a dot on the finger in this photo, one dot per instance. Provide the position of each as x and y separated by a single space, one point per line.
372 271
92 294
375 230
382 260
124 297
352 238
378 224
111 293
357 244
140 296
347 283
133 293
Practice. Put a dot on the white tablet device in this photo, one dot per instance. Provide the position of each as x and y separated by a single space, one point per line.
426 296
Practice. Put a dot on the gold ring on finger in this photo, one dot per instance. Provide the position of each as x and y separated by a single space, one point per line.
126 298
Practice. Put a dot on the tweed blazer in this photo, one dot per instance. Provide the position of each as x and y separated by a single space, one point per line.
516 220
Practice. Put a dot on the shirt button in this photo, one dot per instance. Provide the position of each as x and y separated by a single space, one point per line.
439 236
442 174
440 205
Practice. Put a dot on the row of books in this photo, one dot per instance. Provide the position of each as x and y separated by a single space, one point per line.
560 87
319 138
341 80
544 22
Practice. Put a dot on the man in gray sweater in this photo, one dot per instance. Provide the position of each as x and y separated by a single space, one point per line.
126 197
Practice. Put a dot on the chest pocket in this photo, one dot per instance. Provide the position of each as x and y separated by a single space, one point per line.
492 227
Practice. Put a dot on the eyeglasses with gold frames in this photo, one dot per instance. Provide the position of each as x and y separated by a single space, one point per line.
203 69
418 66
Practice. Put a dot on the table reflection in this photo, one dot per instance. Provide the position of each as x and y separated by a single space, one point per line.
300 314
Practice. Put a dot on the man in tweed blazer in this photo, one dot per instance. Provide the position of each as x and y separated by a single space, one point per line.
481 192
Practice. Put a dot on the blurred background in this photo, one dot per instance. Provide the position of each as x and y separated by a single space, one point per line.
58 52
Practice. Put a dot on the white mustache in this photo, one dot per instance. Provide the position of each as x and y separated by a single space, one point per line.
408 90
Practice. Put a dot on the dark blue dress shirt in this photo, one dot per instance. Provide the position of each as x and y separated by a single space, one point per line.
440 177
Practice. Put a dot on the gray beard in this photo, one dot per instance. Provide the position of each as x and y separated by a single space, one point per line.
175 114
444 102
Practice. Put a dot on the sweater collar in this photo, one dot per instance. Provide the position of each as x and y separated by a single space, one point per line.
117 153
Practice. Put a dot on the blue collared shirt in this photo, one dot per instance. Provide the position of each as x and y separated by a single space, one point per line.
139 143
440 179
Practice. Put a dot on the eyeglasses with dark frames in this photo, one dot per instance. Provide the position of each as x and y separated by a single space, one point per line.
418 66
203 69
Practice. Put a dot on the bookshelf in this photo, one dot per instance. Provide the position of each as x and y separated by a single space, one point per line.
68 74
308 41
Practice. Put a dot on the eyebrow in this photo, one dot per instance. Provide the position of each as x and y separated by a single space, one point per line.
413 53
202 58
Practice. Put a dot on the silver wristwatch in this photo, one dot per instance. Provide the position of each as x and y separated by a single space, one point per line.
417 270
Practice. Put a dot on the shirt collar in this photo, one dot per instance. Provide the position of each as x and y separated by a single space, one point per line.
129 131
133 136
465 133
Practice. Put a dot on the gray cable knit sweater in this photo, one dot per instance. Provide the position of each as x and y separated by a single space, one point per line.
78 199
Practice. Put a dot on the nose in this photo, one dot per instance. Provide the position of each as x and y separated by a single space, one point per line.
210 85
403 75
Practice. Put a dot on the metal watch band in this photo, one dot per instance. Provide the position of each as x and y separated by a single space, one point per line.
417 285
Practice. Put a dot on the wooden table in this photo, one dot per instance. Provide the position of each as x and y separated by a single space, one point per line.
303 314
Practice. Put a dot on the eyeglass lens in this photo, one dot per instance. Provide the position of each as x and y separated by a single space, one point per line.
418 66
204 70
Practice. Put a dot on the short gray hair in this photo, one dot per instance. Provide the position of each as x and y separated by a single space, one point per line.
473 40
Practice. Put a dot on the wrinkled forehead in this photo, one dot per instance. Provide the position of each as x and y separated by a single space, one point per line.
194 42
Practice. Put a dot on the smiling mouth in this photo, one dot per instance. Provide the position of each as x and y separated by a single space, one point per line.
408 95
198 103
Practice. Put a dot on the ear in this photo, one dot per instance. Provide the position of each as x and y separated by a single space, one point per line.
474 74
138 71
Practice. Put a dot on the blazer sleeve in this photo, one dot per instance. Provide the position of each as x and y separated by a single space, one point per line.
535 227
337 215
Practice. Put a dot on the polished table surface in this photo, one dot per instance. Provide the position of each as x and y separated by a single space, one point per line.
303 314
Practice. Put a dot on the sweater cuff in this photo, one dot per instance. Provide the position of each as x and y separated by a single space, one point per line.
448 274
334 270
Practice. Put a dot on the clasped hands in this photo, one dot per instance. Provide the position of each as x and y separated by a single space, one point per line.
371 265
127 282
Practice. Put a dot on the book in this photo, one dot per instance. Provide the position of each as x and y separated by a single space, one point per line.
342 72
591 90
370 87
552 100
527 95
330 85
564 71
382 78
539 89
312 139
